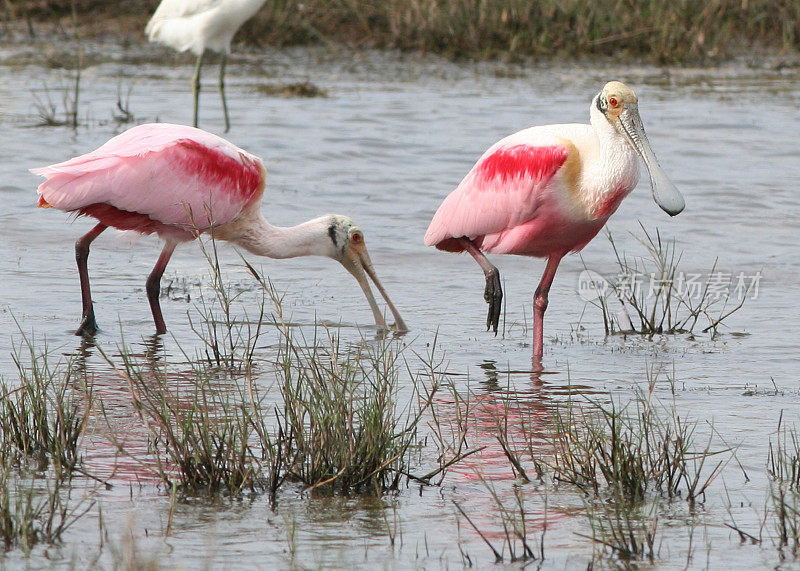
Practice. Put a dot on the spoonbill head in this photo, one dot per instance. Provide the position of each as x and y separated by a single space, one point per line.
333 235
620 105
546 191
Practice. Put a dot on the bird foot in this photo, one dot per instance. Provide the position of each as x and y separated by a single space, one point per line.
493 295
88 326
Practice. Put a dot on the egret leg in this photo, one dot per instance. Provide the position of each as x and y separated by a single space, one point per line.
493 294
196 86
153 286
540 305
88 324
222 91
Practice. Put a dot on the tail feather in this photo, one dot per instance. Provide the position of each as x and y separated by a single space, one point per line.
178 34
70 183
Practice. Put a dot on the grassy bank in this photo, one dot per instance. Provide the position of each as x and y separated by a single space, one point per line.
685 31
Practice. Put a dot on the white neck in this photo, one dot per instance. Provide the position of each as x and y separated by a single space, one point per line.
611 141
614 166
255 234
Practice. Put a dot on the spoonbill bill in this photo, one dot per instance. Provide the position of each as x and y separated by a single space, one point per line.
546 191
200 25
179 182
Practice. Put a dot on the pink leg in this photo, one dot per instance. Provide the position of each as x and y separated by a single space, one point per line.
88 325
540 305
493 294
154 286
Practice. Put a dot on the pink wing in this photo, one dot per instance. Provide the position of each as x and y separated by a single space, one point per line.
502 191
171 175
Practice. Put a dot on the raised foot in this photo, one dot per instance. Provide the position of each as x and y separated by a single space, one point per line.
493 295
88 326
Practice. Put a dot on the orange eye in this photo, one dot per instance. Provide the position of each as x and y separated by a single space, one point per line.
613 101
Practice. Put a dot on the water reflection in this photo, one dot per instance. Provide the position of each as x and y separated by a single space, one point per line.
129 389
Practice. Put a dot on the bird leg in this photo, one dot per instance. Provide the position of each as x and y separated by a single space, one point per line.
493 294
153 286
540 305
196 85
88 325
222 91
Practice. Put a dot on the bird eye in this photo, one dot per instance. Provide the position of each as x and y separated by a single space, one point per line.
356 237
613 101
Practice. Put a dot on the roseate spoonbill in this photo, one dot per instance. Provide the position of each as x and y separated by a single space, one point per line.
179 182
548 190
200 25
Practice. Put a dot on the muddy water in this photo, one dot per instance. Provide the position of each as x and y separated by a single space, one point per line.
391 139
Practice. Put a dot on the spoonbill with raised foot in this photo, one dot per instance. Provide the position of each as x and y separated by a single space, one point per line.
546 191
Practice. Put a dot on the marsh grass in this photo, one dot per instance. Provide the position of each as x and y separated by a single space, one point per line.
228 339
631 449
626 460
55 113
337 426
661 32
126 552
628 530
47 110
783 468
340 425
123 114
201 424
519 542
341 419
330 420
298 89
783 461
35 510
786 512
656 297
449 432
42 420
44 414
634 449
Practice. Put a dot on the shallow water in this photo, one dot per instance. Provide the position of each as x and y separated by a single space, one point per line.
394 135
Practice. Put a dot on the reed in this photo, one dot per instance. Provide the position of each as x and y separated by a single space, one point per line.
343 424
227 332
656 296
519 541
35 510
201 425
783 468
662 32
340 425
631 449
626 530
43 414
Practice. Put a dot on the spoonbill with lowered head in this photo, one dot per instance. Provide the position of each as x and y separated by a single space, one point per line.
180 182
547 191
200 25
